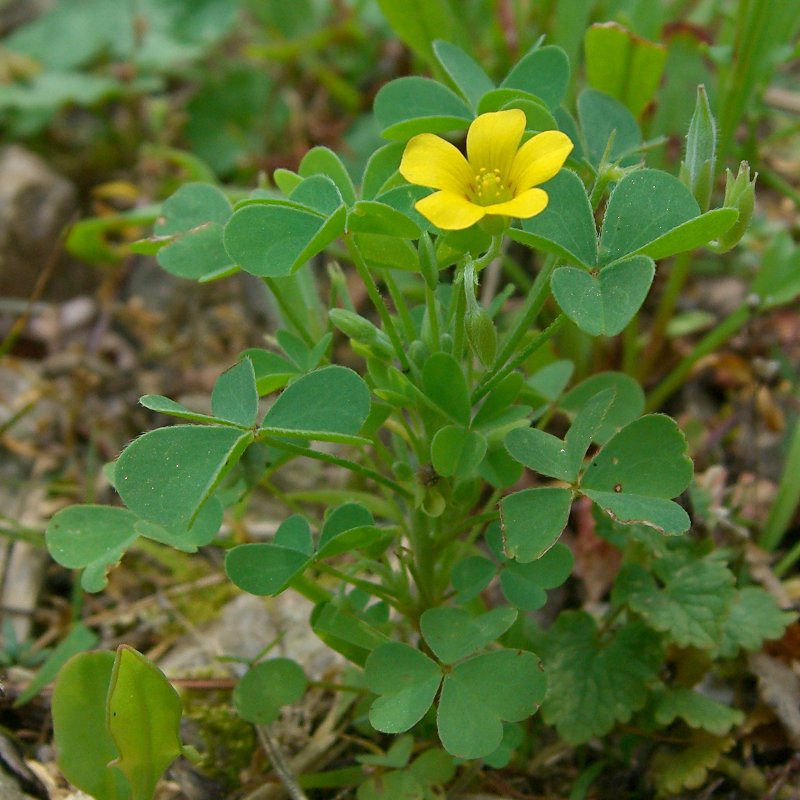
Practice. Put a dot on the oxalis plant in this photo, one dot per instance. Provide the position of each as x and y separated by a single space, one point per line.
462 440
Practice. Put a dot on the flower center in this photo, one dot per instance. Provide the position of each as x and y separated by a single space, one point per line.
490 188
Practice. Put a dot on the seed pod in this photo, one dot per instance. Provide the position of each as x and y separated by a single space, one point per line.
481 334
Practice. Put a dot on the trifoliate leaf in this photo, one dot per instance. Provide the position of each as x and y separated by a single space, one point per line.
754 617
596 680
692 604
453 634
696 710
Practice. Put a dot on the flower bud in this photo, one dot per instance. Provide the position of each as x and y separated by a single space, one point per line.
740 193
697 167
361 331
428 263
481 334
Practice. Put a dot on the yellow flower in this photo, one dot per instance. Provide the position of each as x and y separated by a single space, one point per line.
496 178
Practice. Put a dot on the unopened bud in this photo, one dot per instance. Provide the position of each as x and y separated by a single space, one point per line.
428 264
361 331
740 193
481 334
697 168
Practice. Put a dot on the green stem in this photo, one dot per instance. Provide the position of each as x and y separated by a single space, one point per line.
786 499
400 305
433 318
534 301
353 466
288 312
366 586
523 355
377 301
678 275
459 310
712 341
310 589
424 560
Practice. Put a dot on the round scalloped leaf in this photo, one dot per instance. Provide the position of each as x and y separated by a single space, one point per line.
606 303
325 403
407 106
453 633
407 681
166 475
566 226
274 239
268 686
481 693
696 710
644 206
532 520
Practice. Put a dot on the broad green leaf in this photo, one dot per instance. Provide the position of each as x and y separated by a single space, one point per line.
419 22
696 710
453 633
380 171
234 397
499 469
164 405
754 617
623 65
387 252
532 521
471 576
457 451
143 718
465 73
778 279
347 528
445 386
323 161
79 717
648 456
346 633
317 193
264 569
370 216
286 180
566 227
194 217
201 532
481 692
644 206
394 785
541 452
638 470
396 756
433 767
166 475
602 117
499 399
537 115
596 681
607 303
273 240
295 533
407 106
271 370
543 71
329 401
266 687
692 234
524 584
406 680
79 639
92 538
627 405
690 607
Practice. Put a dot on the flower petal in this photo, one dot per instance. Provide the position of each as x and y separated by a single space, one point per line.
525 205
449 211
429 160
539 159
492 140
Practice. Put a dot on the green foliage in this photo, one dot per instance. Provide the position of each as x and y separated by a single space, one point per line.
469 419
